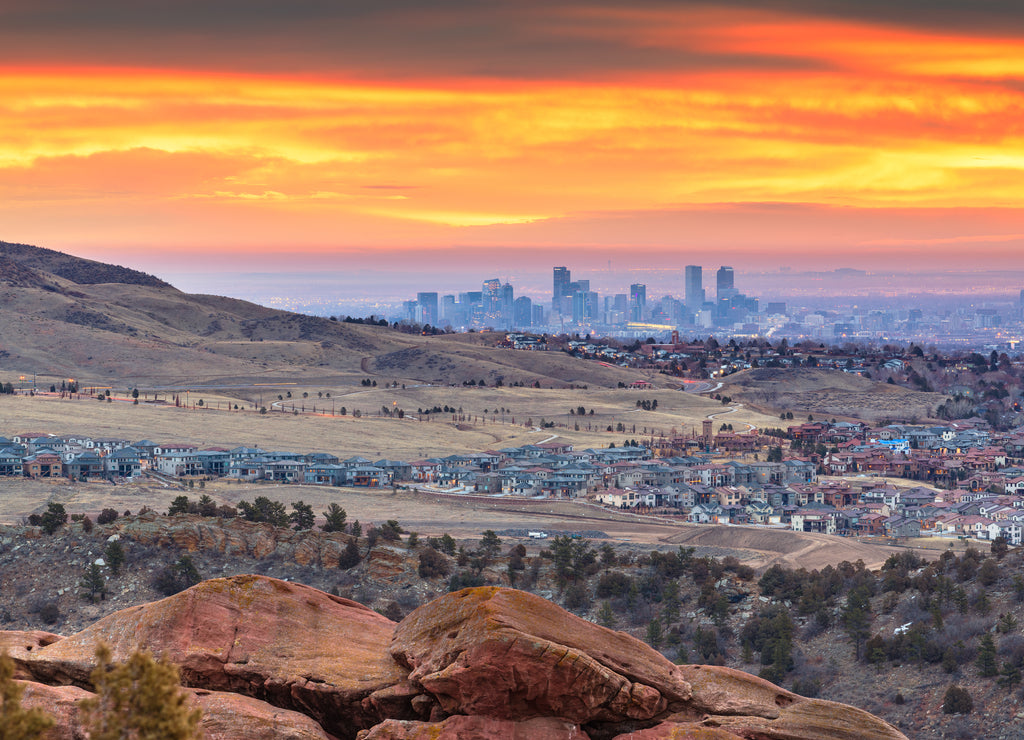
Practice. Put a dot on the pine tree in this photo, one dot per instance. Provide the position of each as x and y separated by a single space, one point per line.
114 555
335 519
140 699
302 516
986 661
93 582
17 723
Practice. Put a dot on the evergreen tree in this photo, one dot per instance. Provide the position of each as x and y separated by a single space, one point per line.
179 505
490 545
93 583
335 517
302 516
53 518
141 699
986 660
262 509
856 617
114 555
447 544
654 634
17 723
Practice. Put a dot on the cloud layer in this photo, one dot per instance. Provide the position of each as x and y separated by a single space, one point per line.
315 125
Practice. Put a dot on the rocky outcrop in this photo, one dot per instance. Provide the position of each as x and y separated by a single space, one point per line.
270 659
511 655
290 645
461 727
225 716
19 644
234 537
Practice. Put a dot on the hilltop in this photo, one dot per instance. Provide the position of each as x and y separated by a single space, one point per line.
62 316
828 393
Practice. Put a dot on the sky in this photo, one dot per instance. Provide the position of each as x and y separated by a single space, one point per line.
413 136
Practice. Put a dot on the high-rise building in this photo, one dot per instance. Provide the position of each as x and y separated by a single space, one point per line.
694 287
448 311
427 308
522 312
637 301
560 286
724 283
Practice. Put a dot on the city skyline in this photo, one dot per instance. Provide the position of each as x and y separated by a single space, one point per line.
316 135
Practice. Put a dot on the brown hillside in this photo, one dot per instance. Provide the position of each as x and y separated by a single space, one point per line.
75 269
64 317
827 393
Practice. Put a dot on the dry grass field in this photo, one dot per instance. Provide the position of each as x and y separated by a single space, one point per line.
376 436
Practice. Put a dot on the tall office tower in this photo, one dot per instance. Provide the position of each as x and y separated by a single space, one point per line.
491 296
448 309
1022 298
637 301
522 312
560 286
694 287
724 283
506 305
427 305
538 315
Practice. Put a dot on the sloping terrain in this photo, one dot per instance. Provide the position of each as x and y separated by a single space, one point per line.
827 393
65 317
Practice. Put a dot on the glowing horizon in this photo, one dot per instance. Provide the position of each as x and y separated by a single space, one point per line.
707 128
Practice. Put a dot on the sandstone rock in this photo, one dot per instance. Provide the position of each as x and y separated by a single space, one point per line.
235 717
477 728
290 645
512 655
674 731
61 703
225 716
19 644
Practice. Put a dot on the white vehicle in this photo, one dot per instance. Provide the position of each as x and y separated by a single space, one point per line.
538 535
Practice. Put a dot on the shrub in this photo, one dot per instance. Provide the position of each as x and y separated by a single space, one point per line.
433 564
106 516
176 578
957 701
350 556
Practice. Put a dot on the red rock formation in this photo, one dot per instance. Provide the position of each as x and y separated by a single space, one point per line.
461 727
19 644
290 645
225 716
512 655
483 664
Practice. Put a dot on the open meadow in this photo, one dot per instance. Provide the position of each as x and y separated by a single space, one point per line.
491 418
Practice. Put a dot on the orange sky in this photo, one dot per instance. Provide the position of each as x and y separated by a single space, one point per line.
764 134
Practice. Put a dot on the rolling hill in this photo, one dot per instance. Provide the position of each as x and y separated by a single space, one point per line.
66 317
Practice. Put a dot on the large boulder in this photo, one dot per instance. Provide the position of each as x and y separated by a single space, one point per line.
19 644
510 655
290 645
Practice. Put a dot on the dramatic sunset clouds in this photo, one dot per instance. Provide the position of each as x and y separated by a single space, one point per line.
770 130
